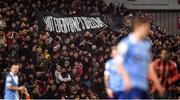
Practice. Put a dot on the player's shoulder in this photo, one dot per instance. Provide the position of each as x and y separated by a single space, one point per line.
9 77
109 61
148 40
125 41
148 43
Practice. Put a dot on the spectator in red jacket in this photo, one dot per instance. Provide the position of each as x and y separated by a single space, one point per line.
79 68
167 72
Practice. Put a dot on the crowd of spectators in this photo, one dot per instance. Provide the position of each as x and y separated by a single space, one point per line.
57 65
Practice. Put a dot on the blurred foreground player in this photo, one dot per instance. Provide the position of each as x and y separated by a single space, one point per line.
113 81
167 73
133 62
11 84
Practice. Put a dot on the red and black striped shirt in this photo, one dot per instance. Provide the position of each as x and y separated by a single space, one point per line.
167 73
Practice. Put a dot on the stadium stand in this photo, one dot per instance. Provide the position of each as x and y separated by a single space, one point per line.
77 58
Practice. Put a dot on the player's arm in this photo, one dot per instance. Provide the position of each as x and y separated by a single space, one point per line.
154 78
106 75
14 88
119 59
9 85
106 80
123 73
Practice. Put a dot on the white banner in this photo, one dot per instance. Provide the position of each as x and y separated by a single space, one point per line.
72 24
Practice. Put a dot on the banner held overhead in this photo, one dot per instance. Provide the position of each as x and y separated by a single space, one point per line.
65 24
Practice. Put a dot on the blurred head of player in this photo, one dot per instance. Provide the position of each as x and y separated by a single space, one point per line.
114 51
14 69
141 27
164 54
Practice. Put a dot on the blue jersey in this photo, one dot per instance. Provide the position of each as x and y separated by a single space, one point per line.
11 80
135 57
115 81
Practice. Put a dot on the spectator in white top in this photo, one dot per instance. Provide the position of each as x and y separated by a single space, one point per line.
64 76
57 73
